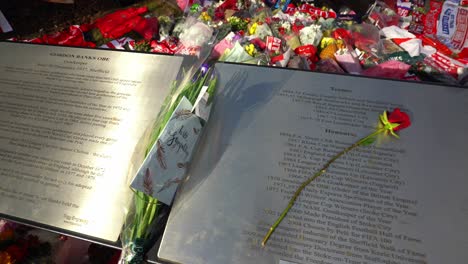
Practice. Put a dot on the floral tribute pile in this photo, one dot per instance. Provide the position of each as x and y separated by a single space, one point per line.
419 40
20 244
17 246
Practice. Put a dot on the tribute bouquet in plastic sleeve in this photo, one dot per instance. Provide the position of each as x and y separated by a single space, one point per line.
168 154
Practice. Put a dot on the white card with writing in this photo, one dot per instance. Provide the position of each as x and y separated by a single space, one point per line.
164 167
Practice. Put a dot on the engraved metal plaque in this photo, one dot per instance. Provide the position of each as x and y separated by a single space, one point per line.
72 121
398 201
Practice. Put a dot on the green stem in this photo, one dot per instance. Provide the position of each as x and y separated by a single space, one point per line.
315 176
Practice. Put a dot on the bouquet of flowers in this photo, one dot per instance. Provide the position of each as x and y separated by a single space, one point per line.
147 217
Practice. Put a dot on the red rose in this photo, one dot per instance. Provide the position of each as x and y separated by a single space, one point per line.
399 117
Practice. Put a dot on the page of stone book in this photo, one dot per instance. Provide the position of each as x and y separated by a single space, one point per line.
70 121
397 202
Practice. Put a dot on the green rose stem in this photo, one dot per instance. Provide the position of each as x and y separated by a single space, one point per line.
362 142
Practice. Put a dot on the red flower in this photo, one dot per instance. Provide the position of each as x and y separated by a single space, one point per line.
296 28
282 30
341 33
399 117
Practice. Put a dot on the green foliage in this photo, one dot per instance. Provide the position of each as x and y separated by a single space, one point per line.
143 46
368 141
237 23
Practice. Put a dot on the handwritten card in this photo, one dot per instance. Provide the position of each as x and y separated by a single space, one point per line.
164 167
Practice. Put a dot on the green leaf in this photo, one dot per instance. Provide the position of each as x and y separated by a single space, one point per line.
368 141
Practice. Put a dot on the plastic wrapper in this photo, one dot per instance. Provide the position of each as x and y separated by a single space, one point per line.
311 35
329 65
366 59
183 4
223 45
195 34
381 15
327 24
292 40
341 33
262 31
389 69
365 37
236 54
226 5
388 47
281 60
348 61
261 14
146 218
296 62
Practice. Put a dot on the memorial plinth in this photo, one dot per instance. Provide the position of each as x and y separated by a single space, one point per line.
397 201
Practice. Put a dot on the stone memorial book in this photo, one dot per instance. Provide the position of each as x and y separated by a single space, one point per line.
396 201
72 121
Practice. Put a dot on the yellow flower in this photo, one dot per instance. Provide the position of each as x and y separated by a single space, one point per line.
253 28
205 17
326 41
250 49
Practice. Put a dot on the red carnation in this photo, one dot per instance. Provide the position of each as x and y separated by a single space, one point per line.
399 117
